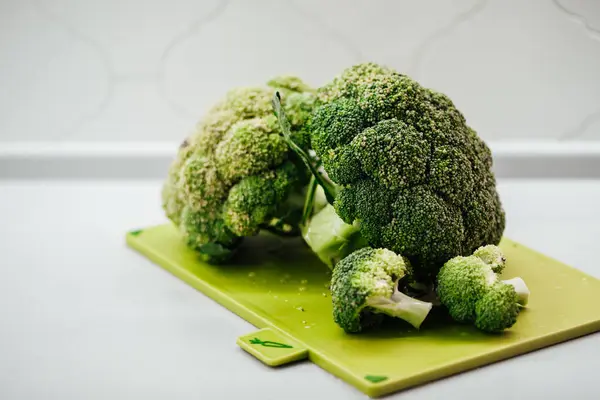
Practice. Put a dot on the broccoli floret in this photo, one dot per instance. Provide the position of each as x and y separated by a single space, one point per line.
521 288
408 169
493 256
473 293
364 288
235 175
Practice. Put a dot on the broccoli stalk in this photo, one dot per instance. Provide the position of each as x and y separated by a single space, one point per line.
364 288
312 165
520 288
330 238
327 235
399 305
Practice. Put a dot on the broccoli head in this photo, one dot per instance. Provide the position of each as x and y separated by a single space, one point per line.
408 168
364 288
235 174
473 293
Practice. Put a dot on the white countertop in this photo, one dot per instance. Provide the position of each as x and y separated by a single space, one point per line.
84 317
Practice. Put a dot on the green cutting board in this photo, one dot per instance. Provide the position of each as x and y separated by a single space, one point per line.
278 285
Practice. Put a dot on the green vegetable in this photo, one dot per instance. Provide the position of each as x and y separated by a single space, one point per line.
235 175
473 293
330 238
407 168
492 255
364 288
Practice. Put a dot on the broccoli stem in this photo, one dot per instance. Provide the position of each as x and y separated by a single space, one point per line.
401 306
328 187
285 219
330 238
279 227
309 202
521 289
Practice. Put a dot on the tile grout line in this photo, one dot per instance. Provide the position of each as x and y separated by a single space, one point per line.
419 52
193 28
593 32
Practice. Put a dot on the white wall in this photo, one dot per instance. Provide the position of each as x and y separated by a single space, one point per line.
130 70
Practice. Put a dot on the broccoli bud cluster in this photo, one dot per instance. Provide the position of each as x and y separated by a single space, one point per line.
364 289
472 292
235 174
415 176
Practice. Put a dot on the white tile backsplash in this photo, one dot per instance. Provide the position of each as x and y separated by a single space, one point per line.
249 42
519 69
131 70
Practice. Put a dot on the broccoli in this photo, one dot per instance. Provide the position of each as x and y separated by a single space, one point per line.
491 255
405 167
364 288
330 238
235 175
472 292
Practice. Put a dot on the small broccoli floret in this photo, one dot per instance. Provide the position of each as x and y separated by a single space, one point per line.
493 256
249 147
364 288
235 175
473 293
497 309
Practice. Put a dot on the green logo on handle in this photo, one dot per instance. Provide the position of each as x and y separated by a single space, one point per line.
268 343
375 378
